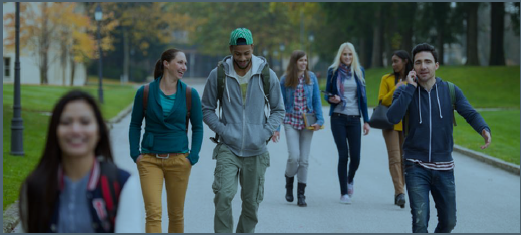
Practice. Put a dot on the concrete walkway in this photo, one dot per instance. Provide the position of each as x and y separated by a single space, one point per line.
487 197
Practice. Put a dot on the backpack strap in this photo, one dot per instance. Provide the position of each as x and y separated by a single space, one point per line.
188 104
405 124
221 81
452 91
110 188
145 98
265 76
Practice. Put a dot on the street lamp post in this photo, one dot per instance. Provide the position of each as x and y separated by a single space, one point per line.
98 15
17 127
310 59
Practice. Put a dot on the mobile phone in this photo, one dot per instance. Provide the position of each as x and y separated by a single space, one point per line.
327 93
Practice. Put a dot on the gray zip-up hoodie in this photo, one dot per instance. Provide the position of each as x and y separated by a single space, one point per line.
243 128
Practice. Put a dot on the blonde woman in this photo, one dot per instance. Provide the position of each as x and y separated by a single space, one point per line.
345 91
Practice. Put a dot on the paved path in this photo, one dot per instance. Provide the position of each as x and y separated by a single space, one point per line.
487 197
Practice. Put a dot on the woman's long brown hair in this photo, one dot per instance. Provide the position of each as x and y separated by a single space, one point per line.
292 70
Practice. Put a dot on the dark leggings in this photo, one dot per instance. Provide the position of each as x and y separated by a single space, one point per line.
346 127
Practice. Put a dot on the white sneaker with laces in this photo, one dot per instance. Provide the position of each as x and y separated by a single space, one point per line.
344 199
350 189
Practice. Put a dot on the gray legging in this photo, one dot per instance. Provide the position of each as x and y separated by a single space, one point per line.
299 143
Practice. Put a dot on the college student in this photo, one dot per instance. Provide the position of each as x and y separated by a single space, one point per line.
429 167
164 154
75 188
301 95
402 65
244 129
345 91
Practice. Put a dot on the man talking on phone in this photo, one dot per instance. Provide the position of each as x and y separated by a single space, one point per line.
427 104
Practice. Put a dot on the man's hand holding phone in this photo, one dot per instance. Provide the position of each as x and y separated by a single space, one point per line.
411 78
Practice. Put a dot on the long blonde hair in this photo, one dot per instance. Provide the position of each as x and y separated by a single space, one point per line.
355 64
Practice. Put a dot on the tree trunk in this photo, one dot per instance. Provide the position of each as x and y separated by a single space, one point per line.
390 31
497 14
472 33
63 56
126 54
408 33
376 61
73 68
440 40
362 51
44 45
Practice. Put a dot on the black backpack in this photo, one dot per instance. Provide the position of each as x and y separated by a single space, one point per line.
221 83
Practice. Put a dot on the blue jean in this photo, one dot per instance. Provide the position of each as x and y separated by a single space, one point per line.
347 132
419 181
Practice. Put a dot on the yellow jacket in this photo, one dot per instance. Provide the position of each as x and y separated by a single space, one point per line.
385 94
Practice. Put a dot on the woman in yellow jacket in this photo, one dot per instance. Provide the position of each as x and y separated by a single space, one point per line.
402 64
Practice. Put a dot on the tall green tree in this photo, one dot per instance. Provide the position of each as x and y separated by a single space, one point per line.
344 23
140 26
439 21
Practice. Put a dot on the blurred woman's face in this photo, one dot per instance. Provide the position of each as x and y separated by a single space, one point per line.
302 63
347 56
78 131
398 64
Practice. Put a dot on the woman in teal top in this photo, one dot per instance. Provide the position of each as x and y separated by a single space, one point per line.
164 150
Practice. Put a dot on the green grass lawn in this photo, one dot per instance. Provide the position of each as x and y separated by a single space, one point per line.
484 87
42 98
16 168
37 102
504 126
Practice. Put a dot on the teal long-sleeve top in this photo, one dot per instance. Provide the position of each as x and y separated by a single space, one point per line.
166 134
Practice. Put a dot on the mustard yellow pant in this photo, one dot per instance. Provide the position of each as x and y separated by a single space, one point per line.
393 141
175 170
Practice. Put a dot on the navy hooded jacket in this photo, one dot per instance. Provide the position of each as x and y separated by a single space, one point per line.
430 120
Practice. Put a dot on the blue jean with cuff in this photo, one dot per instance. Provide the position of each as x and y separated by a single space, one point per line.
419 182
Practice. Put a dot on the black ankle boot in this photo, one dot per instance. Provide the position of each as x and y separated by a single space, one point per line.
289 188
300 194
399 200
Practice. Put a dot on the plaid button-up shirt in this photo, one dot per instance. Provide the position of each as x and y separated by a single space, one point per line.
295 118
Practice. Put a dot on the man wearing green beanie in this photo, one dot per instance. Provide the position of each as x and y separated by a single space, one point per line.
244 129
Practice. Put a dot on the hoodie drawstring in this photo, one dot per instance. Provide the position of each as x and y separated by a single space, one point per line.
227 90
438 97
420 104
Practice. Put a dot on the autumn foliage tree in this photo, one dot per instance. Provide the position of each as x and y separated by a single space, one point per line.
48 26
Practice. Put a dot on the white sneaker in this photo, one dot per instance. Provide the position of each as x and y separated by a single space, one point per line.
350 189
344 199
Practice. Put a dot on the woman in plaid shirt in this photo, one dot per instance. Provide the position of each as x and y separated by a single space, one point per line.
301 95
